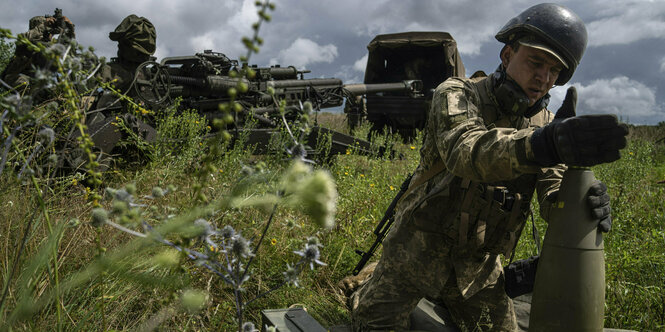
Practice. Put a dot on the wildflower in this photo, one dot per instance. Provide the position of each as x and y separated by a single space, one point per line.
348 151
319 198
346 173
392 188
74 182
412 147
371 184
99 217
273 241
291 275
310 255
362 175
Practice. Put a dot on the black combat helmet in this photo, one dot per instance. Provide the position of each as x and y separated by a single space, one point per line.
562 31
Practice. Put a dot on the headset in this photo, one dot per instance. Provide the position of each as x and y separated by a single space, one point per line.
512 98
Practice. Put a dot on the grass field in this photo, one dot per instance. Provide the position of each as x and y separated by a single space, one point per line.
87 278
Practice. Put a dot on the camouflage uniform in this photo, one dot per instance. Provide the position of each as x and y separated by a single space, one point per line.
450 230
137 41
41 30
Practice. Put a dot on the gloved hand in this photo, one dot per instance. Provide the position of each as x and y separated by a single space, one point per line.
585 140
599 201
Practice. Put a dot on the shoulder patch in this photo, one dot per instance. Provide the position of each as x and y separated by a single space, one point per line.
457 103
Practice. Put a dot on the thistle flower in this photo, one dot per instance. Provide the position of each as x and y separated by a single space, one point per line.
46 135
99 217
248 327
291 275
307 107
207 231
240 246
56 49
310 255
157 192
123 195
227 232
52 159
131 188
119 207
314 241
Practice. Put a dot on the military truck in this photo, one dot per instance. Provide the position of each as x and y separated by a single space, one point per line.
430 57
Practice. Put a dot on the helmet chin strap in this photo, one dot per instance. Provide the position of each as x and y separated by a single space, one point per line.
512 98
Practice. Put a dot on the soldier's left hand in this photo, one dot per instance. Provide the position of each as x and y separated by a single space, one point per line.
599 202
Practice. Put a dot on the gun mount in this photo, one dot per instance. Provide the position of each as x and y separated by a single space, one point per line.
430 57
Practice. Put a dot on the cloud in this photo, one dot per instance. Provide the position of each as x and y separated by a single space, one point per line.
624 22
361 64
303 52
630 100
662 65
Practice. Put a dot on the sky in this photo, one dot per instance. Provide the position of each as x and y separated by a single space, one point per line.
621 72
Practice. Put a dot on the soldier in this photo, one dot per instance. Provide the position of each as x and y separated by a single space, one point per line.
136 37
489 144
42 29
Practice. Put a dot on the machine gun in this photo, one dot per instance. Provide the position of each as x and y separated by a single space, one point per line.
204 79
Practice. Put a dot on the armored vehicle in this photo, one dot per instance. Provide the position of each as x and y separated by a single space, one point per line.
430 57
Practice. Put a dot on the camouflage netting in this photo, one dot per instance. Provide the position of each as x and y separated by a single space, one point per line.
136 38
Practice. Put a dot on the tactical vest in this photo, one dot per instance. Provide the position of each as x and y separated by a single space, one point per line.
491 216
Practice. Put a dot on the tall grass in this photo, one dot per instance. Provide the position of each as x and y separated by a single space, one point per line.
76 272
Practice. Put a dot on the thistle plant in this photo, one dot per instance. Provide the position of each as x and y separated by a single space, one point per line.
201 234
27 119
224 251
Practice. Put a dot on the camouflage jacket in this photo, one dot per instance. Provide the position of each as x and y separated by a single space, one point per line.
475 141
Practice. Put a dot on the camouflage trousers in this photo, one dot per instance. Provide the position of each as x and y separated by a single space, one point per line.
417 264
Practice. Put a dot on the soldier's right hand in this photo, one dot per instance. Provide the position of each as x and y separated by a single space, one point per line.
584 140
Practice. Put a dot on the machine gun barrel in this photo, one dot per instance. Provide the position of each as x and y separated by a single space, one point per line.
412 86
211 85
313 82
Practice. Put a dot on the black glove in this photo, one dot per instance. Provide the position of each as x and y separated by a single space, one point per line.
599 201
585 140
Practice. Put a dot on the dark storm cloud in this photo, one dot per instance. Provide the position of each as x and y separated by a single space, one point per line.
625 52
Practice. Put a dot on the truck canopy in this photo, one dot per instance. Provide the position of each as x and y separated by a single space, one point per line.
430 56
